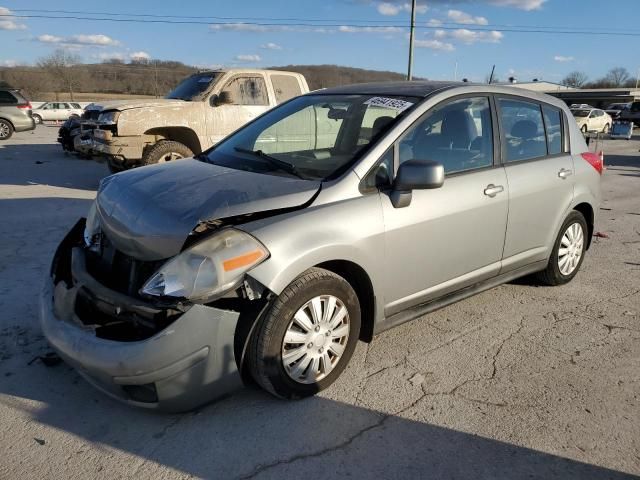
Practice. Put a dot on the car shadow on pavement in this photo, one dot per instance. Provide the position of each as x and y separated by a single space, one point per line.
252 434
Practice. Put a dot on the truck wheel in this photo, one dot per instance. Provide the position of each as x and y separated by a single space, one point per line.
113 168
306 338
165 151
6 130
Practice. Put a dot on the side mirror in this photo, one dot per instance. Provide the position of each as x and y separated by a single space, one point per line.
223 98
415 175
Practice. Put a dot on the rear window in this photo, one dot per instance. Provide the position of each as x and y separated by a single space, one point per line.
7 98
635 107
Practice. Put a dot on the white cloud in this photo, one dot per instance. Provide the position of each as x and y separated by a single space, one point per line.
434 22
139 56
391 9
271 46
459 16
7 22
521 4
248 27
248 58
434 45
470 36
562 58
96 40
353 29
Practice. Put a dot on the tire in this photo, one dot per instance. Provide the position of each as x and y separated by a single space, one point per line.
553 275
584 129
114 168
268 341
606 128
164 151
38 119
6 130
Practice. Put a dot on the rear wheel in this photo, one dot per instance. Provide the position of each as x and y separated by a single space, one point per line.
606 128
165 151
37 118
307 337
568 251
6 130
584 128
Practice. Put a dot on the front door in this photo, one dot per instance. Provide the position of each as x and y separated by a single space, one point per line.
250 99
453 236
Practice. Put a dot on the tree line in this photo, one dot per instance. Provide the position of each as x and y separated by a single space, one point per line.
618 77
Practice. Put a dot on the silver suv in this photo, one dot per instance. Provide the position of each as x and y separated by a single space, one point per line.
15 113
331 218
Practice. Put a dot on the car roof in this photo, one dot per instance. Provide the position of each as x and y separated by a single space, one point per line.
411 89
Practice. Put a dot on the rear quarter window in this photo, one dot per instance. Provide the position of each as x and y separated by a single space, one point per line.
7 98
553 124
285 87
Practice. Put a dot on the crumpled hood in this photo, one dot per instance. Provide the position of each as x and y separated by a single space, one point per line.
148 212
151 103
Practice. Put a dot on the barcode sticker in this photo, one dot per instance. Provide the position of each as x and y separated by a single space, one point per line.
392 103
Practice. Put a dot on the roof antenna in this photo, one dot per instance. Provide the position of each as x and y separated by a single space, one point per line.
491 76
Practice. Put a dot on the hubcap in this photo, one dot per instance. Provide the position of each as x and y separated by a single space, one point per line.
167 157
570 250
4 130
315 339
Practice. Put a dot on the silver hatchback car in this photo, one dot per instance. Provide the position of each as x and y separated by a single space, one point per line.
328 219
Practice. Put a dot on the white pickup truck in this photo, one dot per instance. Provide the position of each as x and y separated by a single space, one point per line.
203 109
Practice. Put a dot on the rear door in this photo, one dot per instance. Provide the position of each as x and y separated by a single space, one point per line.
539 169
285 86
449 237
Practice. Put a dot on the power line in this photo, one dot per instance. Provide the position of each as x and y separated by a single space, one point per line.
259 20
540 30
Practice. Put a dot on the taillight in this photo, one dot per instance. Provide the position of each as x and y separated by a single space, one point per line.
28 105
595 159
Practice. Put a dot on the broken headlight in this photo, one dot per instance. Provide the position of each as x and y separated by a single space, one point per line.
108 118
92 226
209 268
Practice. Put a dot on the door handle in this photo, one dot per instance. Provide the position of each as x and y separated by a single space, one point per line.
564 173
492 190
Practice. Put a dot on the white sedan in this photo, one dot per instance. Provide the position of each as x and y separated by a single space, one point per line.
56 111
592 120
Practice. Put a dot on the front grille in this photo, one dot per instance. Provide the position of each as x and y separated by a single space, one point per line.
118 271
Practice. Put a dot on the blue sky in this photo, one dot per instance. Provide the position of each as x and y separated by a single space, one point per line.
525 55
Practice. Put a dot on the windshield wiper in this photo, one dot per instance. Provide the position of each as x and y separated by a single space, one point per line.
280 164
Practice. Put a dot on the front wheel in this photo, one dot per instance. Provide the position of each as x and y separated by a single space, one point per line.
37 118
584 129
307 337
568 251
606 128
165 151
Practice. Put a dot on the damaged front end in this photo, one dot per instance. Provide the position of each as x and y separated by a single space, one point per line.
167 353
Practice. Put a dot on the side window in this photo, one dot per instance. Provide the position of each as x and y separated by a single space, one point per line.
7 98
47 106
374 122
553 122
76 106
248 91
285 87
65 105
457 134
381 175
524 135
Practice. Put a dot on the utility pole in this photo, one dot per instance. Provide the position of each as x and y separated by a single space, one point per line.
638 78
413 27
155 63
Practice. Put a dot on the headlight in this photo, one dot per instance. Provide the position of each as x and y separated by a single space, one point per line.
209 268
92 226
108 118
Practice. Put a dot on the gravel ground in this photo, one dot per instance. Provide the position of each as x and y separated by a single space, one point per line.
517 382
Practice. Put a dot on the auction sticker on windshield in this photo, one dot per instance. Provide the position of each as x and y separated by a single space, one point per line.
392 103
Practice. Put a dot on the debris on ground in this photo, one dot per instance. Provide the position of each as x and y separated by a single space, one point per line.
49 359
601 235
417 379
39 441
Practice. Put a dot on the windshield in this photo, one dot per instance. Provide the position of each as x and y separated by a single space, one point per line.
193 86
313 137
580 113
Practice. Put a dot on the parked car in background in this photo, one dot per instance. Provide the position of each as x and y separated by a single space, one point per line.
579 105
615 109
75 133
200 111
632 114
592 120
329 219
57 111
15 113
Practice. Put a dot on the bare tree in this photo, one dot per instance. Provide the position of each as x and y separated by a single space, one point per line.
617 77
575 79
60 66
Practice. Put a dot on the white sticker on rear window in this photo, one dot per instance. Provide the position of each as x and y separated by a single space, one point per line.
392 103
205 79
